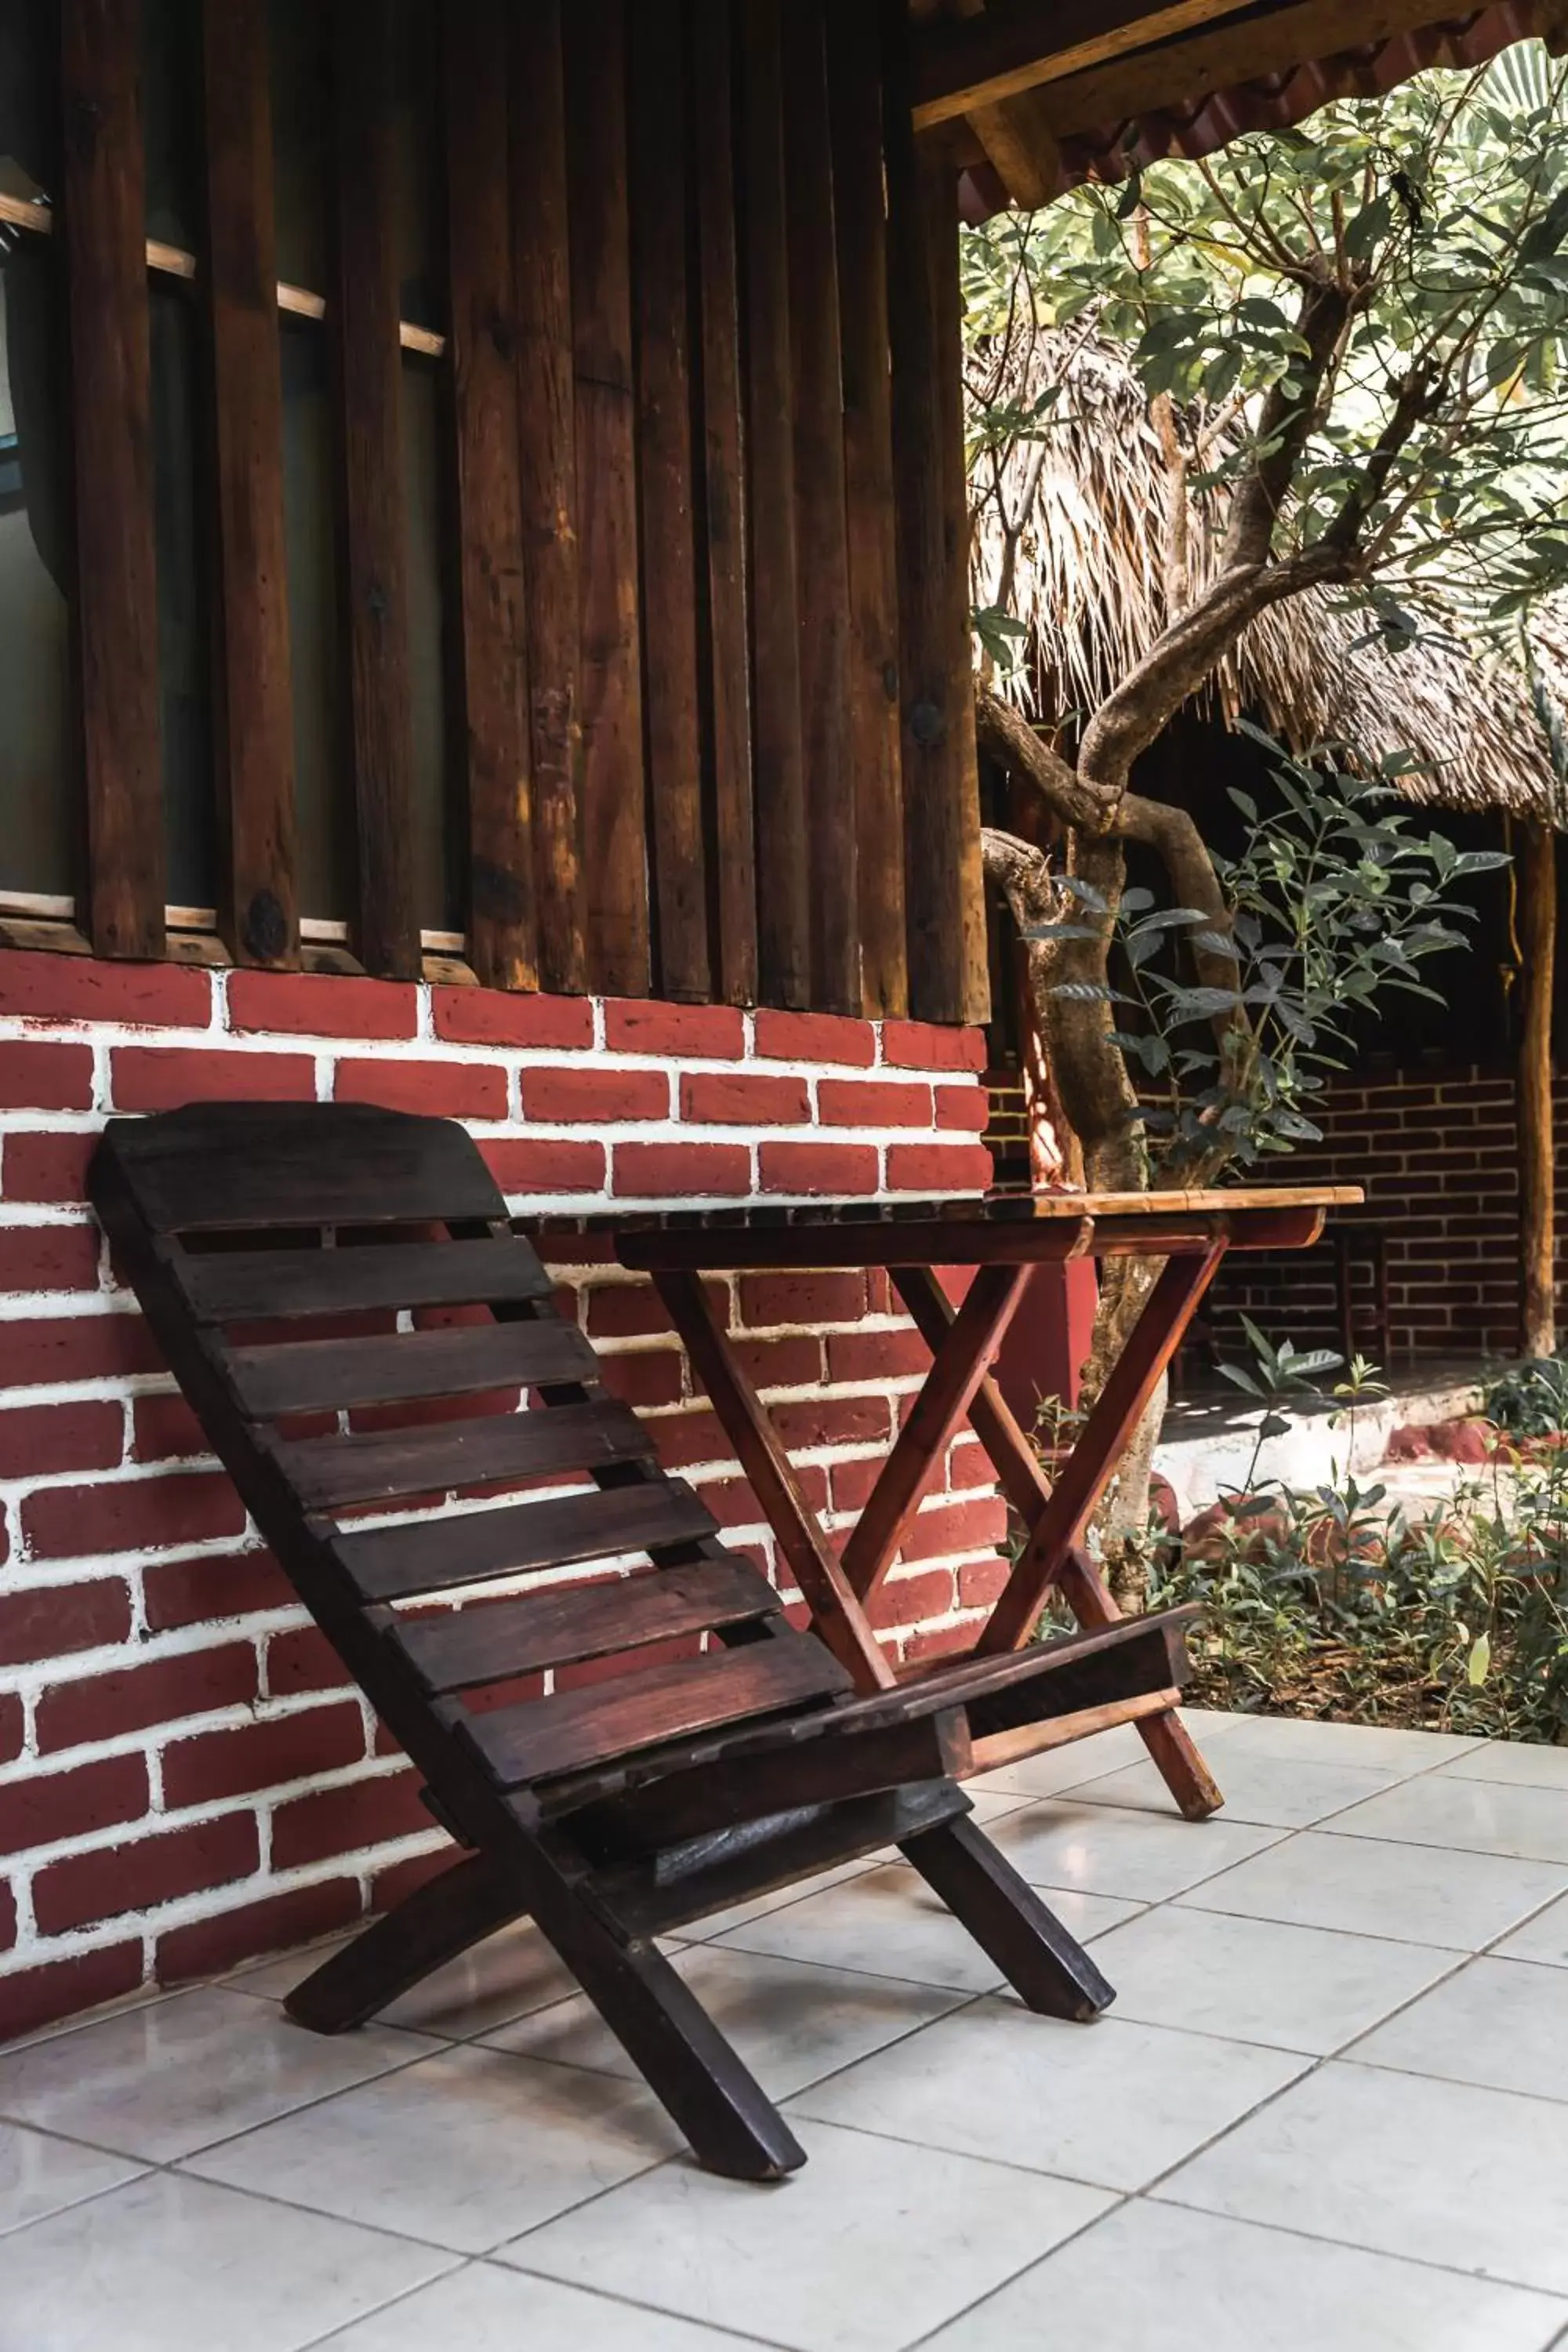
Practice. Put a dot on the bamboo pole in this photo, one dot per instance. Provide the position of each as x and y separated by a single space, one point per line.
1537 1218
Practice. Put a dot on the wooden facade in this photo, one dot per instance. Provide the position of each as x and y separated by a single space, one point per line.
704 646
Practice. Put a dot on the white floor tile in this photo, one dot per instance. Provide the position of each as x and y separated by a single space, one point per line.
790 2023
1441 2172
1260 1980
41 2175
1469 1816
1151 2276
868 2248
1112 2104
1113 1850
507 1975
1367 1887
465 2149
1544 1937
168 2264
740 1915
163 2081
1521 1762
1384 1746
483 2308
1503 2023
1281 1791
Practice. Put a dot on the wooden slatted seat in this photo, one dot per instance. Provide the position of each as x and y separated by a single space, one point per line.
610 1710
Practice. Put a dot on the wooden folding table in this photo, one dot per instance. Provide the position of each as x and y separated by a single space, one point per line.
1003 1236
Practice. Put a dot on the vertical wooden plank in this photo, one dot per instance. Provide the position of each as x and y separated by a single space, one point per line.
855 89
257 914
362 324
783 890
115 608
481 360
614 837
725 645
820 530
1537 1159
547 486
658 135
943 879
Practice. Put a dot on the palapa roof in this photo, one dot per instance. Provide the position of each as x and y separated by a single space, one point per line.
1090 585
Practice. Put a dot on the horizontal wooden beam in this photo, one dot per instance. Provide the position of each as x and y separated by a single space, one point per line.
960 64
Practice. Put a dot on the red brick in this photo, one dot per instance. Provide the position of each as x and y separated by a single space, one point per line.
34 1351
436 1089
787 1363
43 987
570 1098
103 1706
53 1619
811 1299
682 1438
956 1527
940 1642
165 1429
232 1763
33 1998
965 1106
651 1376
10 1727
640 1025
939 1168
852 1481
47 1167
525 1165
150 1870
981 1582
921 1045
676 1172
7 1935
162 1077
393 1885
876 1355
815 1037
742 1098
204 1589
38 1441
626 1311
301 1660
132 1515
55 1805
910 1600
833 1421
49 1258
733 1504
341 1821
322 1004
822 1168
485 1016
862 1102
970 1465
37 1075
274 1925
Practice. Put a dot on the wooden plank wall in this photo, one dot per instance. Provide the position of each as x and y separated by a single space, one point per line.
705 592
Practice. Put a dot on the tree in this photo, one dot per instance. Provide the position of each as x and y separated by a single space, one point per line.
1352 339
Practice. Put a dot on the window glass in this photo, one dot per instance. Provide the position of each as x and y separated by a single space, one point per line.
422 513
324 841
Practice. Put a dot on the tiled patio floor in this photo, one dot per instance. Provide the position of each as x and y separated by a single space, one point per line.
1329 2110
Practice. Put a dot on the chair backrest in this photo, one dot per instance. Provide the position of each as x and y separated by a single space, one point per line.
378 1360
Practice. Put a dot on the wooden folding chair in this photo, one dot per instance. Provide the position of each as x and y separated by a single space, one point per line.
618 1755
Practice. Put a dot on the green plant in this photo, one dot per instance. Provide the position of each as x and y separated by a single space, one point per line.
1530 1399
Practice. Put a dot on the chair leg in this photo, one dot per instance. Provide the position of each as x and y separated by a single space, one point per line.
1047 1967
440 1920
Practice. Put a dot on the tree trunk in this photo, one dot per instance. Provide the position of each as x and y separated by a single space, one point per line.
1537 1159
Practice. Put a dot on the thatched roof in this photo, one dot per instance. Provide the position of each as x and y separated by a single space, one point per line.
1090 584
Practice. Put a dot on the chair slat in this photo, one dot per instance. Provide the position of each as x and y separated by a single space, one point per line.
245 1286
542 1737
314 1375
493 1641
379 1465
433 1555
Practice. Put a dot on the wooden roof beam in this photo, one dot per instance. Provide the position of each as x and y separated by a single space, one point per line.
978 61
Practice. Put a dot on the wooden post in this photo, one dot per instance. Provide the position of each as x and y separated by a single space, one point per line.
1537 1157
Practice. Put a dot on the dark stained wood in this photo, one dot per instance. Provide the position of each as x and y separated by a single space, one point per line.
821 538
362 332
985 58
313 1375
114 608
615 844
944 891
547 486
778 756
651 1704
436 1923
278 1282
725 649
392 1563
1537 1155
377 1465
237 285
557 1626
490 665
1047 1968
855 88
657 139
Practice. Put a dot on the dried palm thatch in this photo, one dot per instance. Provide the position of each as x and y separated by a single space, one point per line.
1111 548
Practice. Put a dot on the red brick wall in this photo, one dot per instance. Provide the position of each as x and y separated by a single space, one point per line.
184 1778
